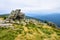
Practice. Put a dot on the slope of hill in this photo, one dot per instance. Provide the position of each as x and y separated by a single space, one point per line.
51 17
27 29
4 15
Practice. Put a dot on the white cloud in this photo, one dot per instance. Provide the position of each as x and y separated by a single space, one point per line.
30 5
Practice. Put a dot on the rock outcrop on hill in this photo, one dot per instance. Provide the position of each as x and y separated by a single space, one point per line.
15 15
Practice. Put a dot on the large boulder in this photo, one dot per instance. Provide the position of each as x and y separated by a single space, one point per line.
15 15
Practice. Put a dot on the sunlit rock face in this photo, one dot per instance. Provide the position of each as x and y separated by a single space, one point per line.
16 15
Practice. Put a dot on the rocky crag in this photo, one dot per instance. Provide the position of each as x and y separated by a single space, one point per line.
15 15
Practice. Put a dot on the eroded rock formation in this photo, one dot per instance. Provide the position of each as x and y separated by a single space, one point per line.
15 15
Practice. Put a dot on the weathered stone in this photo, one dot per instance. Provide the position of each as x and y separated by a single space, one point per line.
6 25
15 15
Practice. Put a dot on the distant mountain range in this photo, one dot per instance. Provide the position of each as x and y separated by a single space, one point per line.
55 18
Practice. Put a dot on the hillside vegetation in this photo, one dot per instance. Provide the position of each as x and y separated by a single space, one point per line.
27 29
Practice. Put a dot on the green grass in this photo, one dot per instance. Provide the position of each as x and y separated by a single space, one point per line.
30 31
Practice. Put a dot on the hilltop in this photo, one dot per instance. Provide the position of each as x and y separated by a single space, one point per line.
19 27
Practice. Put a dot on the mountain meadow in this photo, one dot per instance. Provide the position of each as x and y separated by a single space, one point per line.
18 26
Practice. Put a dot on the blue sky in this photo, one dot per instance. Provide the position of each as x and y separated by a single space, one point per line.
27 6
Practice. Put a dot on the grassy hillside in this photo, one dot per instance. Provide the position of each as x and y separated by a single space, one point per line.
4 15
29 29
